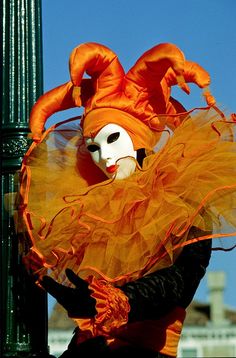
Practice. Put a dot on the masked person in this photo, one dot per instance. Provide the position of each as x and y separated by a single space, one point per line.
121 229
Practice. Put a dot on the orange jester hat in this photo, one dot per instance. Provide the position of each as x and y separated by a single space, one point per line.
134 100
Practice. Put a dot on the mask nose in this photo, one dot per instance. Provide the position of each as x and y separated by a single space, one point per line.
105 154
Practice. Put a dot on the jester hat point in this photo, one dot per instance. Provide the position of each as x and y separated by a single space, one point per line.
140 100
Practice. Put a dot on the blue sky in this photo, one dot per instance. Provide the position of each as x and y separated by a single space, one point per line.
203 29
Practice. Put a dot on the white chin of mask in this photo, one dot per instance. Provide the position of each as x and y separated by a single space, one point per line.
126 167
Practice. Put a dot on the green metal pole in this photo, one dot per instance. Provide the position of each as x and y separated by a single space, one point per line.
23 305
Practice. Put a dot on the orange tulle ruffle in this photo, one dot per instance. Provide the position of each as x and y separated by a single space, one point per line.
122 229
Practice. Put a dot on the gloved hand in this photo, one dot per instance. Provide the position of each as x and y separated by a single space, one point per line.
77 301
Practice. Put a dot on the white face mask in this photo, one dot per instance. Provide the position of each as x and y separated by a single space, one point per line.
112 151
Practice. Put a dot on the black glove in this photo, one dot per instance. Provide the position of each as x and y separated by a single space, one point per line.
77 301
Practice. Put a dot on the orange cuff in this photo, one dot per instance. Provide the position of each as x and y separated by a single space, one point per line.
111 304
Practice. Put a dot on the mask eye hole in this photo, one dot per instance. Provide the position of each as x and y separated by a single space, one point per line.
113 137
92 148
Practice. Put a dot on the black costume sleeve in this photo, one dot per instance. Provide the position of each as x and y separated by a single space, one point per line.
155 294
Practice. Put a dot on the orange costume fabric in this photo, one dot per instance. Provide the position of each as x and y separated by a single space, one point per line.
116 231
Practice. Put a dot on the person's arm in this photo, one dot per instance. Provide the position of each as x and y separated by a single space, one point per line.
157 293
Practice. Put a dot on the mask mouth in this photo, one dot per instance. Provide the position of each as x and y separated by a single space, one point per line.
112 168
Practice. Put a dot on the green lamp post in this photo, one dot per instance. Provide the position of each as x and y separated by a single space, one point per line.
23 305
